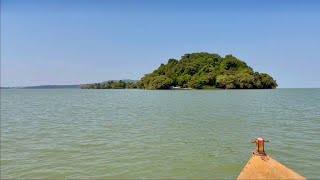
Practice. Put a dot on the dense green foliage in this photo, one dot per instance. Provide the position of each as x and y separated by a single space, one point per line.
206 71
197 71
110 85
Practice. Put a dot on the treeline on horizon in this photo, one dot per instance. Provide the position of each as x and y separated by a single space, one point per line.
111 85
197 71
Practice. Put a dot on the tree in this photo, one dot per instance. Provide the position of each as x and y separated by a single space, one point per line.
160 82
183 79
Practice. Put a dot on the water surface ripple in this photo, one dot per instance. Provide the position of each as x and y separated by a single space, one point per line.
55 134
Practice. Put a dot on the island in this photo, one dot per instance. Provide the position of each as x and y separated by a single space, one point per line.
197 71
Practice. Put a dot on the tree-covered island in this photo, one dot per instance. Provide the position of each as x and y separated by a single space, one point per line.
197 71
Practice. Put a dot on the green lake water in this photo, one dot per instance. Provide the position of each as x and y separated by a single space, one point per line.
74 133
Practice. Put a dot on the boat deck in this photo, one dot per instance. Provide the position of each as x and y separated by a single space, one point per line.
264 167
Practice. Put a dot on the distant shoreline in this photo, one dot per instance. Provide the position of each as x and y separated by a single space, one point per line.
75 87
45 87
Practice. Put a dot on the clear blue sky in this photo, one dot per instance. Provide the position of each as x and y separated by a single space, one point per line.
72 42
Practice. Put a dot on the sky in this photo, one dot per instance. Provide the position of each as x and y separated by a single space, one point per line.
76 41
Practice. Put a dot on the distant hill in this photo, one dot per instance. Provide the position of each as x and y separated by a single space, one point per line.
77 86
52 87
45 87
5 88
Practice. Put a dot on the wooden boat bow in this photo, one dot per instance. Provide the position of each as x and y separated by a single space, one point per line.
262 166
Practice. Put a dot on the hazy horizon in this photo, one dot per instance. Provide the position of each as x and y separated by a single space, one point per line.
77 42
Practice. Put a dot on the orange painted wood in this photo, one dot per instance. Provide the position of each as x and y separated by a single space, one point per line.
264 167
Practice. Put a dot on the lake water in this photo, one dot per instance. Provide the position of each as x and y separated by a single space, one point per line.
74 133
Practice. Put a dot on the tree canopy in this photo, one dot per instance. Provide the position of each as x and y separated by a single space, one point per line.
203 71
198 71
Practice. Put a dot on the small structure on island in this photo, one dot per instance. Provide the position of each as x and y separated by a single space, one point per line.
175 87
262 166
179 88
